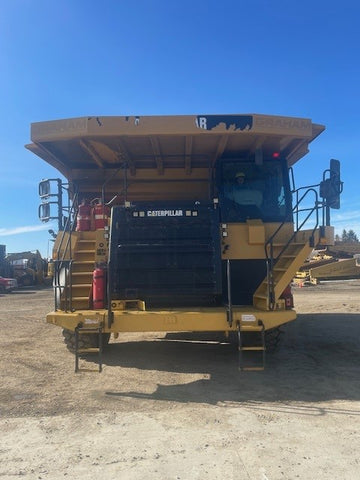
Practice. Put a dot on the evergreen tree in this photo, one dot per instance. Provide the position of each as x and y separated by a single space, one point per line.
349 236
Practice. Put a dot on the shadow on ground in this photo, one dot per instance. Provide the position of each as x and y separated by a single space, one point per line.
319 360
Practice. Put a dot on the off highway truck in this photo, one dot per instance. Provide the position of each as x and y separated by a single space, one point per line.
180 223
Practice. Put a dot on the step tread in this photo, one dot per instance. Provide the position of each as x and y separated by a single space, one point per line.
253 369
261 296
89 350
94 329
83 262
251 328
253 349
290 244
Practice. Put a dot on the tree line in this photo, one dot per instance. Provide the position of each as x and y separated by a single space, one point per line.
347 236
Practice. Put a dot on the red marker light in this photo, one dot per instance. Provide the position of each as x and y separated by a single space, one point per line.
276 155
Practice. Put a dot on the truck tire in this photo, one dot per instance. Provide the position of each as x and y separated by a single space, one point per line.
272 339
86 340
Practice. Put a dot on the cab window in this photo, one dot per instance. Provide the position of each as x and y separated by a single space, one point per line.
247 190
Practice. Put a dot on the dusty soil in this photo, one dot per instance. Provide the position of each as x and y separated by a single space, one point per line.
176 406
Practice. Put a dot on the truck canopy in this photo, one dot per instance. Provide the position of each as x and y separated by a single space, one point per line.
92 151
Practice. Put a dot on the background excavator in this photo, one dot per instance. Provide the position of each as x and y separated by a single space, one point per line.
29 268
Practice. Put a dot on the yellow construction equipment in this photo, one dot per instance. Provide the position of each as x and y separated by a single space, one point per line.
180 223
338 262
29 268
337 270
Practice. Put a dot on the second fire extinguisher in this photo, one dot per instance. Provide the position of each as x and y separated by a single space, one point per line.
99 287
101 215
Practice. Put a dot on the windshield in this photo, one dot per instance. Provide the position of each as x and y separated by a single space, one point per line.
247 190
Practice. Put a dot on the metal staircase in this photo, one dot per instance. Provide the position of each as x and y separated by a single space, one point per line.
79 352
286 262
73 270
81 271
284 259
251 347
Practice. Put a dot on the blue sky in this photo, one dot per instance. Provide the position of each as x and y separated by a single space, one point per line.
78 58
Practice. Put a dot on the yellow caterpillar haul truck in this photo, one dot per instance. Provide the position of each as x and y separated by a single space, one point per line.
180 223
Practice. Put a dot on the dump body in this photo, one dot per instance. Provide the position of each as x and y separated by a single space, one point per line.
184 247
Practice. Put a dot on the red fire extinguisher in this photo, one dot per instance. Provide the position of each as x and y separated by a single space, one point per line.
98 287
101 215
83 222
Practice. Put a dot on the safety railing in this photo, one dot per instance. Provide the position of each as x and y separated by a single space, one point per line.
301 216
63 261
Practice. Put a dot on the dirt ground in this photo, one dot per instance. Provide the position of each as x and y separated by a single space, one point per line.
176 406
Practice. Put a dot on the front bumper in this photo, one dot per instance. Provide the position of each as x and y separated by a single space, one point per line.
174 320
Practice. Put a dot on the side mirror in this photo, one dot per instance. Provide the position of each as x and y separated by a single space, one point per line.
44 212
331 188
48 197
44 189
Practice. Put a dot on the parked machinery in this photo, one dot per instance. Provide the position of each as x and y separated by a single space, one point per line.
206 229
7 282
29 268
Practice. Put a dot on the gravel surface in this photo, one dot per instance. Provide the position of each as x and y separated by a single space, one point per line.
176 406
